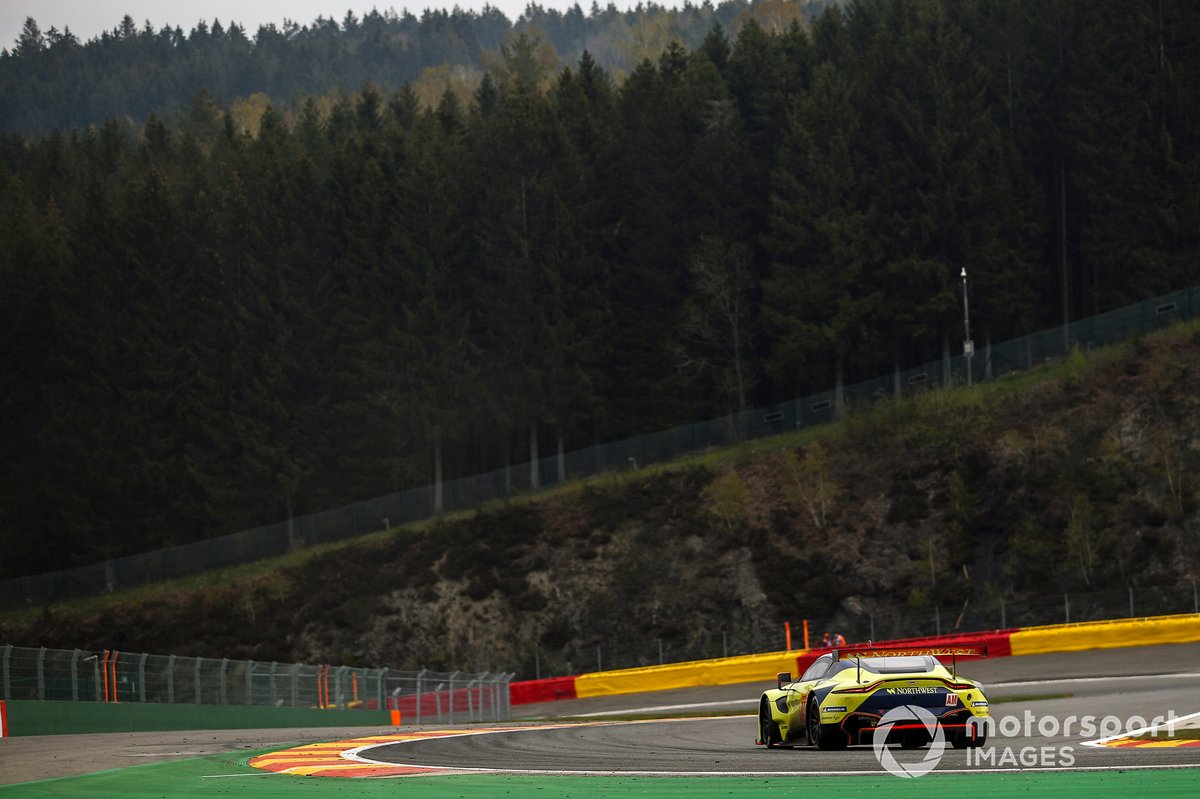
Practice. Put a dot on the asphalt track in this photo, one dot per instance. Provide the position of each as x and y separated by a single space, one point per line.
1129 685
608 756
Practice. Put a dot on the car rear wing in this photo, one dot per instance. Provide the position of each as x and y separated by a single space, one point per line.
857 653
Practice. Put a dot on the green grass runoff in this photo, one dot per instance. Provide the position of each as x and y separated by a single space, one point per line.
1028 698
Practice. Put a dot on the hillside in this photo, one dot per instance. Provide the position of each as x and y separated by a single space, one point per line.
218 326
1076 477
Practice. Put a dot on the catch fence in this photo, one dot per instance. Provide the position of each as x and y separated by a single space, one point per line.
469 492
122 677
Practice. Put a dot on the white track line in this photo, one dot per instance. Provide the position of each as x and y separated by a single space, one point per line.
1099 742
1058 680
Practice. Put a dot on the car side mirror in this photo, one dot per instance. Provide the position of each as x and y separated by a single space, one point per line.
782 677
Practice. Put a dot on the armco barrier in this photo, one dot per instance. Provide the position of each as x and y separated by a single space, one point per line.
549 690
764 667
720 671
1107 634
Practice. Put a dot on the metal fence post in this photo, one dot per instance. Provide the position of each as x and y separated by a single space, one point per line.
197 675
379 681
295 670
420 693
4 660
142 677
1131 613
75 676
508 678
249 682
223 696
1067 607
171 680
41 673
1195 599
452 676
1003 615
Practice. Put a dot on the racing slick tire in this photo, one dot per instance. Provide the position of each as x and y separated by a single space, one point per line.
960 740
823 736
768 730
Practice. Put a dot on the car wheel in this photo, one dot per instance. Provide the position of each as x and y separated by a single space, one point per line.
960 740
823 736
768 730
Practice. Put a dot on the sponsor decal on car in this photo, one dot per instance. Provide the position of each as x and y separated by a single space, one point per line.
979 704
833 710
917 690
951 700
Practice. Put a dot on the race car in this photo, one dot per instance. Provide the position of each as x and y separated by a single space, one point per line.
841 698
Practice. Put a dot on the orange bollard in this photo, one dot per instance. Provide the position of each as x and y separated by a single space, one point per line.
787 634
395 718
806 634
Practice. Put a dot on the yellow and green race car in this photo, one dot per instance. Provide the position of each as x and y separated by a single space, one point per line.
841 700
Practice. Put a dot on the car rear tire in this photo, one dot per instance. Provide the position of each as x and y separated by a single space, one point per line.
823 736
768 730
960 740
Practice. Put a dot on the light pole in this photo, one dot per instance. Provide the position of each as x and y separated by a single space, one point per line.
968 345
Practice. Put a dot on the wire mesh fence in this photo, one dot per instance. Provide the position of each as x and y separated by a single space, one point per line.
113 676
415 504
